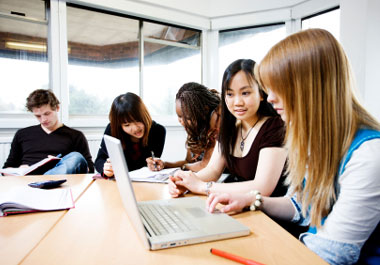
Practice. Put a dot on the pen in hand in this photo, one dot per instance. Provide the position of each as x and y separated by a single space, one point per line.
154 162
230 256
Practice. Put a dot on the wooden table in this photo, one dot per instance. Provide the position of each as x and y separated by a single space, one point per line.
98 231
19 234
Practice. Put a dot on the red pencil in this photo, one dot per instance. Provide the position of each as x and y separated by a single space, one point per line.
234 257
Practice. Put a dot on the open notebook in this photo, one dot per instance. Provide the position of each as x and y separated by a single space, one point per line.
169 223
146 175
38 168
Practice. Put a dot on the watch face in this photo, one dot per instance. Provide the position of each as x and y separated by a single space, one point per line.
208 186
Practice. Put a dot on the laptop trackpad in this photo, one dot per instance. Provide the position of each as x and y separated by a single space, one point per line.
196 212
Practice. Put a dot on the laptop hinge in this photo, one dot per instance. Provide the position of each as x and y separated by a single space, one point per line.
147 227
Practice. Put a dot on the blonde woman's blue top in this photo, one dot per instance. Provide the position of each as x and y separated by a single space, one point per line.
356 212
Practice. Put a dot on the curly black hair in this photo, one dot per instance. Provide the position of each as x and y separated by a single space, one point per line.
197 105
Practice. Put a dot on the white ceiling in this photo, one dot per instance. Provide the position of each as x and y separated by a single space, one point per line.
217 8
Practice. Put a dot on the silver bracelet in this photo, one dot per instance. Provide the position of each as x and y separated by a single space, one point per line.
256 204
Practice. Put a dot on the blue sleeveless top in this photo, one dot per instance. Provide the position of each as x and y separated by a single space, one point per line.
360 137
370 252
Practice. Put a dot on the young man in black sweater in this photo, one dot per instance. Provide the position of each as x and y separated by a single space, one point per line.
50 137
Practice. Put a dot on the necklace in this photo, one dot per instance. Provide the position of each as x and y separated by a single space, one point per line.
241 134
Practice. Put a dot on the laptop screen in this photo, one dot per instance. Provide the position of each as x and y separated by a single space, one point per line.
124 185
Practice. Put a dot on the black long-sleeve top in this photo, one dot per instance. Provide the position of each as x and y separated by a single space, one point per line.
135 153
32 144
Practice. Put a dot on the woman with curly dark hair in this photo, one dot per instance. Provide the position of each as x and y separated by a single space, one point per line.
198 111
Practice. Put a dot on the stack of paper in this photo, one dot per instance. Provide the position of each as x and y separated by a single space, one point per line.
26 199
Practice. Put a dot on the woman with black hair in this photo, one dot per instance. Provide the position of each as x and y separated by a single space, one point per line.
131 123
249 142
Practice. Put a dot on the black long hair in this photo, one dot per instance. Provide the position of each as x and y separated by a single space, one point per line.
129 107
228 132
197 105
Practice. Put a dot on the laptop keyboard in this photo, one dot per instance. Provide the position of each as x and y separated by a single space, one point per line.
163 219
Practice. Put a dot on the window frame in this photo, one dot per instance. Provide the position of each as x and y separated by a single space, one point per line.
20 120
320 13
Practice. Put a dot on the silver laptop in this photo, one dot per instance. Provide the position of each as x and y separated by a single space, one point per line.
173 222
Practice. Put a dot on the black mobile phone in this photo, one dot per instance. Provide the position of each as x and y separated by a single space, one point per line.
47 184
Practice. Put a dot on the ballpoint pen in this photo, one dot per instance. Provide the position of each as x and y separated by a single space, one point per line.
234 257
154 162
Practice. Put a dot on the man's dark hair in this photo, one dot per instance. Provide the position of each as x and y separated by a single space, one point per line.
41 97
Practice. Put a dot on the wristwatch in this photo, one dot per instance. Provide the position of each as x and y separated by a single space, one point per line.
208 187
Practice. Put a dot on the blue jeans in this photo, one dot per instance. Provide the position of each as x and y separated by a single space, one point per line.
72 163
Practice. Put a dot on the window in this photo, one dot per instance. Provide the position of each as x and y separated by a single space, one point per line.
328 20
103 60
171 58
249 43
23 52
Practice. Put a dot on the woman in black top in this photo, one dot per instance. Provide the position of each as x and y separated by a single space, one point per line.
132 124
250 141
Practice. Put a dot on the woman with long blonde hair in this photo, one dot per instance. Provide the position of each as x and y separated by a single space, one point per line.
333 145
